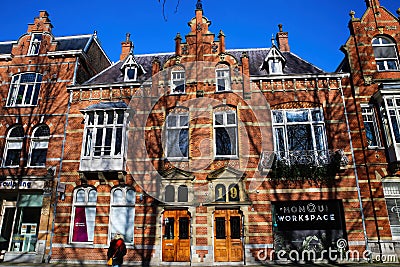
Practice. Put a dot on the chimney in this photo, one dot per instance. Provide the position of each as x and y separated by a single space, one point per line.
372 3
283 40
178 40
221 37
127 47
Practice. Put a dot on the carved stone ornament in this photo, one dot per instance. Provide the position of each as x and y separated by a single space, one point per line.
368 80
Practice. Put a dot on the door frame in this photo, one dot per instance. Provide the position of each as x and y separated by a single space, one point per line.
240 212
8 204
190 233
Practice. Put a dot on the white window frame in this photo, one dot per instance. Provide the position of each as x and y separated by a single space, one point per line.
177 127
123 203
368 115
13 143
178 78
392 104
17 86
377 42
38 142
225 124
223 75
275 63
94 127
127 69
391 189
87 203
34 46
312 123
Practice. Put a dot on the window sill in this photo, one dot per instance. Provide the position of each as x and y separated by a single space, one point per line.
177 93
22 106
225 157
177 159
36 167
224 91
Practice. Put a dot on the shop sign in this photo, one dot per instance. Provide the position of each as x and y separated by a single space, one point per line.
24 184
302 215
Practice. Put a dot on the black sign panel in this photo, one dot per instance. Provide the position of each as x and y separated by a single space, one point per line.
308 215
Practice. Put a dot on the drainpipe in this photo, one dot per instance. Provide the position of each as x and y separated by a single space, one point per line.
354 166
59 177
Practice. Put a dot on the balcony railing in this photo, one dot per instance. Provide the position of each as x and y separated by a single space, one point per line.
319 165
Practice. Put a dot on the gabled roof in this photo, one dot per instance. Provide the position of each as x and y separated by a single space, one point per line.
294 65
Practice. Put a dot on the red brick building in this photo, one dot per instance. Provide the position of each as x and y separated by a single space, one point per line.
205 155
372 59
210 155
34 73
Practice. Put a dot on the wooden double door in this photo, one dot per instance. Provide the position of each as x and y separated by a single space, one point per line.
228 246
176 236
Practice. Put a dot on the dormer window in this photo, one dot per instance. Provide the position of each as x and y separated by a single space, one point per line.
34 46
130 73
274 62
131 69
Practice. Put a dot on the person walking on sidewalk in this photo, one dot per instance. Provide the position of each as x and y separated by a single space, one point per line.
117 250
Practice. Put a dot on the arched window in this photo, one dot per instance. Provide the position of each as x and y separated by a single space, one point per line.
386 55
182 193
169 193
13 148
84 215
39 146
122 213
220 193
24 89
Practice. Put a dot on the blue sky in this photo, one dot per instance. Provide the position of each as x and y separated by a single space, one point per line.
316 28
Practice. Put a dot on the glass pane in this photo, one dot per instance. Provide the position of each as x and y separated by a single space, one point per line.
169 228
107 141
220 193
319 138
396 130
131 73
91 118
38 157
182 193
183 228
99 142
231 118
130 197
17 131
220 84
28 94
20 96
120 119
88 142
13 157
80 196
370 132
235 227
297 116
118 196
118 142
389 102
220 232
92 196
392 64
42 131
299 137
178 143
83 230
122 221
110 117
184 120
278 116
279 139
225 141
219 119
169 193
316 115
100 118
28 77
171 121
